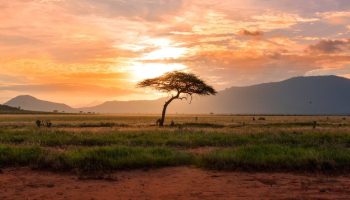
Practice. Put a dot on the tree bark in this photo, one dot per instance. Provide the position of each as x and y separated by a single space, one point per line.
162 120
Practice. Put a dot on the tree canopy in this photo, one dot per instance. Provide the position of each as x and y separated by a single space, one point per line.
179 82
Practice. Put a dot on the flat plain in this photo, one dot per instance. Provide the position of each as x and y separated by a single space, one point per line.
199 157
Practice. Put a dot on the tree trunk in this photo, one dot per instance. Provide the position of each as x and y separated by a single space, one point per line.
162 120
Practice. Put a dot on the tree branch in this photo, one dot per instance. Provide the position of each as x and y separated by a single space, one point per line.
182 98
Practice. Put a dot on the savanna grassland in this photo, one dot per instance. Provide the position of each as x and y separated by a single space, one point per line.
105 143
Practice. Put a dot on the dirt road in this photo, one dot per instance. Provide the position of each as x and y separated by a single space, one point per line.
171 183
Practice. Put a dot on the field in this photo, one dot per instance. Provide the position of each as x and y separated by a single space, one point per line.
98 147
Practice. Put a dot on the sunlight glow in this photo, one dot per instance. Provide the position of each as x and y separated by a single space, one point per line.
142 71
165 49
151 64
98 50
165 53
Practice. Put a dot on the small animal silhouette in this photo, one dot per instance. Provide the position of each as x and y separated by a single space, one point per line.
38 123
158 122
48 124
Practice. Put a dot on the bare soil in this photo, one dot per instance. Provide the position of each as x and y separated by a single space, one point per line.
171 183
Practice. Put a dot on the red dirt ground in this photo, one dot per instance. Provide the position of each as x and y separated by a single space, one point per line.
172 183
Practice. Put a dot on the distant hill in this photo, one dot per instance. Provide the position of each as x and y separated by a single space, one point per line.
300 96
27 102
141 106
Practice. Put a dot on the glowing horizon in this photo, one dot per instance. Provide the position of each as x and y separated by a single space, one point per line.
83 51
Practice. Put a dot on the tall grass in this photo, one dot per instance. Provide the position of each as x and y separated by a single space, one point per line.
19 156
172 138
249 158
91 143
115 158
278 157
92 159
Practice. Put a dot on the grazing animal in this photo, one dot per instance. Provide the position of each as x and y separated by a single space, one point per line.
158 122
38 123
172 123
48 124
314 124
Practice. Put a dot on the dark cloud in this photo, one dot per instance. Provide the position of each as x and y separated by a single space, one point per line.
331 46
245 32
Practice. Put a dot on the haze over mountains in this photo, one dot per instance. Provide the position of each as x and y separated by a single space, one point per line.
300 95
27 102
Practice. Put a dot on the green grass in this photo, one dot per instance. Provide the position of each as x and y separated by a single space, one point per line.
247 158
278 158
114 158
19 156
171 137
90 143
92 159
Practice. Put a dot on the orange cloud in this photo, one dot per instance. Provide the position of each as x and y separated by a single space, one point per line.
335 17
99 49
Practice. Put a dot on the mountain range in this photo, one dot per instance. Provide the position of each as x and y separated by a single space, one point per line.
314 95
28 102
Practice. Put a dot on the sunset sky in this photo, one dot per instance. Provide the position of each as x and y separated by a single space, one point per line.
87 51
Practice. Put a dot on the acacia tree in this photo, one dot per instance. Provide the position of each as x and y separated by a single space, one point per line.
179 85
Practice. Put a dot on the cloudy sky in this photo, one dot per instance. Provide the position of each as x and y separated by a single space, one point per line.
84 51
